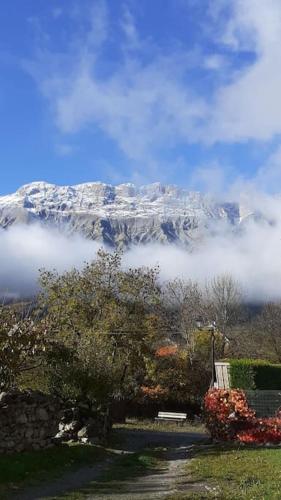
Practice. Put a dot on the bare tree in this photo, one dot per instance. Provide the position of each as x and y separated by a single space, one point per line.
224 297
185 300
268 326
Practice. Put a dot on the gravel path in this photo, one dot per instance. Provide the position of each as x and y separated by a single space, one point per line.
169 478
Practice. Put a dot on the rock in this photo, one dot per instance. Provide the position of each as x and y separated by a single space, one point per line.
3 396
29 433
41 433
49 445
72 426
83 433
92 428
19 448
59 436
42 414
10 444
95 440
22 419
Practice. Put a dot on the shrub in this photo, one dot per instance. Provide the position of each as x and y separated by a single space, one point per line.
165 351
226 412
153 393
251 374
263 431
228 417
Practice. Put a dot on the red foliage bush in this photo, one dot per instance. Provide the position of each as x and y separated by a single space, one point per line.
264 430
226 412
261 436
168 350
155 392
228 417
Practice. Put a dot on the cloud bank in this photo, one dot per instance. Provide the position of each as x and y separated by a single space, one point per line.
26 249
252 255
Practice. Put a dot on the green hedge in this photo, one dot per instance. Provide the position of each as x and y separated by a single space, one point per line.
251 374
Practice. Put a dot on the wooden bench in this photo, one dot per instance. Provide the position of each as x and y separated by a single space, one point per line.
171 417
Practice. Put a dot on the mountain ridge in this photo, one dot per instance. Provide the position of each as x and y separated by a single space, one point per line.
120 215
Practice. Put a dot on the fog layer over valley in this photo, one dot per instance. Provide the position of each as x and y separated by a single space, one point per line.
252 255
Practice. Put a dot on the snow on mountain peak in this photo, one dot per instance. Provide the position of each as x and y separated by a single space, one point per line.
119 215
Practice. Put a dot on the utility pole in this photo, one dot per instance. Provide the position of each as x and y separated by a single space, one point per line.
213 357
212 329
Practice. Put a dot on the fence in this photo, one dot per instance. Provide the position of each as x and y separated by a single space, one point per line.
222 375
265 403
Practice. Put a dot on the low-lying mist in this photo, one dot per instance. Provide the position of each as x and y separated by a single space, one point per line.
252 257
26 249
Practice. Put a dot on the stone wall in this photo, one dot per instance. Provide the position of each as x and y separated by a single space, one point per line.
32 420
84 422
28 421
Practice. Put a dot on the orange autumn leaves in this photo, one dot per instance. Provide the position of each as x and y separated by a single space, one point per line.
228 417
165 351
158 392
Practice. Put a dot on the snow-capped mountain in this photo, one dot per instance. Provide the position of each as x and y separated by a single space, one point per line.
119 215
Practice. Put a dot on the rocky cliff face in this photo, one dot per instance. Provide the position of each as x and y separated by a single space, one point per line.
119 215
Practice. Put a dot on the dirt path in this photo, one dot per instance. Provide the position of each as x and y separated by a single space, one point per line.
88 482
168 480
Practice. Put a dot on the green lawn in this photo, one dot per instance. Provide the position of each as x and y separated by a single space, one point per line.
152 425
22 469
233 473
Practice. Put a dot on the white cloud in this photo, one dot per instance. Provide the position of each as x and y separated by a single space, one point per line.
141 107
148 100
211 178
253 25
98 25
128 25
250 107
214 62
252 256
25 249
268 177
142 104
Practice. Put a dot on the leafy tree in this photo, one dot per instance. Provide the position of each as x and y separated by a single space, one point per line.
104 321
22 345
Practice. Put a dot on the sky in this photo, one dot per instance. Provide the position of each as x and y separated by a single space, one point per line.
184 92
177 91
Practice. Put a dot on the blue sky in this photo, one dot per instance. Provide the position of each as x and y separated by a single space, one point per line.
177 91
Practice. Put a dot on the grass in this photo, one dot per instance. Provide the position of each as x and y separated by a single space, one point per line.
151 425
133 465
22 469
231 473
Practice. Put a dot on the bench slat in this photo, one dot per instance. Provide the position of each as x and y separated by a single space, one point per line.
171 415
